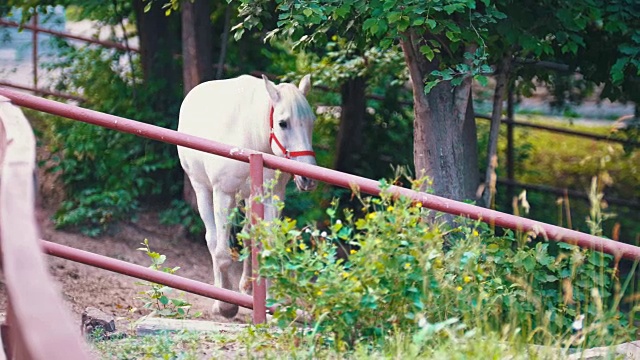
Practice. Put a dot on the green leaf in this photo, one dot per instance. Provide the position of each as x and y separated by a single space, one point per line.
179 302
483 80
394 16
368 24
617 70
529 263
451 8
427 52
163 300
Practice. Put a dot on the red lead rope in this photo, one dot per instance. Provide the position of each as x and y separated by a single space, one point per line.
288 154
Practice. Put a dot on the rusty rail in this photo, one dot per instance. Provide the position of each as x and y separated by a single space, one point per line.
42 91
560 130
38 326
368 186
144 273
36 29
256 168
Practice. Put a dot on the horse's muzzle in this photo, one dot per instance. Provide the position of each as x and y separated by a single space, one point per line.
304 183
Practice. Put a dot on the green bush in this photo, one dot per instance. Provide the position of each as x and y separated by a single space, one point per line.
105 172
399 278
181 213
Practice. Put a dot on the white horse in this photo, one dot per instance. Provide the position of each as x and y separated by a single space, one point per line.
249 113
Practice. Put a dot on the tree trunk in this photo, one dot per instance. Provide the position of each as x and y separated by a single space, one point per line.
224 42
197 58
352 118
197 52
502 77
445 144
159 41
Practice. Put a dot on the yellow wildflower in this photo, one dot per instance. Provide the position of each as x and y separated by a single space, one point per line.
276 198
407 266
345 274
288 249
475 233
390 208
459 288
302 246
467 279
371 215
418 204
352 251
319 292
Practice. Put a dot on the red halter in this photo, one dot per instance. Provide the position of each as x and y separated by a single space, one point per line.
288 154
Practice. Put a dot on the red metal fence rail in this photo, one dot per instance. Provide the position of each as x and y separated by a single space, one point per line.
368 186
36 29
37 326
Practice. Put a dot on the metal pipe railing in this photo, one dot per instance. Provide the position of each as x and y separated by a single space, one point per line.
62 34
144 273
333 177
256 168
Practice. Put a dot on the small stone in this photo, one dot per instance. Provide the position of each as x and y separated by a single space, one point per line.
96 324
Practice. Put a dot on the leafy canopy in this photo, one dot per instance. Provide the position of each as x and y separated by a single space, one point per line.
444 26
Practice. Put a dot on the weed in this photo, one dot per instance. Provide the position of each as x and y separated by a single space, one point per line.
156 298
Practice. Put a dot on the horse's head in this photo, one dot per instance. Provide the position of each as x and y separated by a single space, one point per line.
291 121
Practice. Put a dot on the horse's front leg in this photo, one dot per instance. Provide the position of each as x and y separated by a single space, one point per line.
227 270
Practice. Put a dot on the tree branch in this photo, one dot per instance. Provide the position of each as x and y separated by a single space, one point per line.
544 64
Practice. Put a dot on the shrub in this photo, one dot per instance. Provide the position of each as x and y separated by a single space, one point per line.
400 279
115 170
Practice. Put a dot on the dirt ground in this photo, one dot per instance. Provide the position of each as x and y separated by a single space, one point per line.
83 285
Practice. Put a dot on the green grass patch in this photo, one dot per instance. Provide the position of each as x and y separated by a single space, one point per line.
566 161
182 345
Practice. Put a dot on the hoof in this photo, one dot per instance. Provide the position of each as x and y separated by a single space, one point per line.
225 309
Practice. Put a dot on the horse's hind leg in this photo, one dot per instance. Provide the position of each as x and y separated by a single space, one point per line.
246 284
204 197
226 269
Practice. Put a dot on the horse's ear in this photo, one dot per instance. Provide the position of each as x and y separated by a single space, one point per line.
274 94
305 84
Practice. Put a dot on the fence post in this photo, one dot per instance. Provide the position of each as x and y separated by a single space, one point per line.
510 155
256 166
34 52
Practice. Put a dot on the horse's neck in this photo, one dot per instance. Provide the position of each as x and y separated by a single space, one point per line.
258 127
254 108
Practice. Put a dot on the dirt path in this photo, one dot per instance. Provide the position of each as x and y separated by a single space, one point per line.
84 286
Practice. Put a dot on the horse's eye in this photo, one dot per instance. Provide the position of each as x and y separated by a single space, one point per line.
283 124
